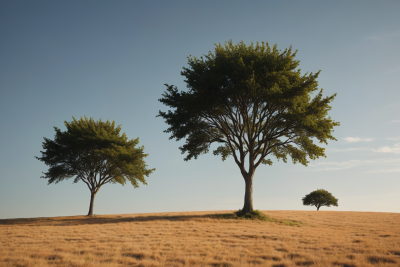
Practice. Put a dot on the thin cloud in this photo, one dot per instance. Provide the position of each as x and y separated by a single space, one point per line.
333 165
383 149
386 149
384 37
395 121
394 71
392 105
383 171
347 149
357 161
357 139
396 138
342 165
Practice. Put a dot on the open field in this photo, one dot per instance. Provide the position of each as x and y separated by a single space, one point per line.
323 238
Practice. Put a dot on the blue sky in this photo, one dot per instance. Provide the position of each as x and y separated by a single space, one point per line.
111 59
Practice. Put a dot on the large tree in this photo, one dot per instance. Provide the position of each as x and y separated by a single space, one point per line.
96 153
253 101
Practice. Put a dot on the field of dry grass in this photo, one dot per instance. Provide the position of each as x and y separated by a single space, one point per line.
323 238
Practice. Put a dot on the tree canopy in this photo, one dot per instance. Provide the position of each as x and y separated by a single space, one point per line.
96 153
319 198
255 103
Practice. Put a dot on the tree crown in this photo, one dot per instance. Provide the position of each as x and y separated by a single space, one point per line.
94 149
254 101
320 198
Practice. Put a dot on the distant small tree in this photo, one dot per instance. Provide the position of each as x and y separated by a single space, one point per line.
319 198
96 153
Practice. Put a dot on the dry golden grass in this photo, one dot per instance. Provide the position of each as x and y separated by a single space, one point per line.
194 239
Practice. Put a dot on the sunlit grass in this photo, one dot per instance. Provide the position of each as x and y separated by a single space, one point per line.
267 238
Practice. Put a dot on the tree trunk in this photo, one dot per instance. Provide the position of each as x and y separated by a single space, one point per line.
318 208
248 196
92 195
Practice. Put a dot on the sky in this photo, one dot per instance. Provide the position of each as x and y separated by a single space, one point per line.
111 59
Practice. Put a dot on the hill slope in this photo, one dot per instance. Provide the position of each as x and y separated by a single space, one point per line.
291 238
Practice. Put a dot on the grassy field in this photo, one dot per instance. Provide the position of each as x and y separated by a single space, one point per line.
288 238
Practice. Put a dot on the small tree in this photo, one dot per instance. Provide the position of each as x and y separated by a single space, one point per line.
252 101
319 198
96 153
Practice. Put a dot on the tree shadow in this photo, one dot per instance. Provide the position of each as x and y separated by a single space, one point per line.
103 219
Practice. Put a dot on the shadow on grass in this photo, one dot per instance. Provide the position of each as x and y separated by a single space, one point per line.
255 216
107 219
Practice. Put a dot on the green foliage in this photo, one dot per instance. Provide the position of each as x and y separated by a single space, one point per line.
254 101
94 152
253 215
319 198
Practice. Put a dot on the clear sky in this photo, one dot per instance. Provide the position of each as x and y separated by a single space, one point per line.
111 59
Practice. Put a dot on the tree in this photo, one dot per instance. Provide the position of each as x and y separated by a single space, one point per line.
319 198
255 103
96 153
